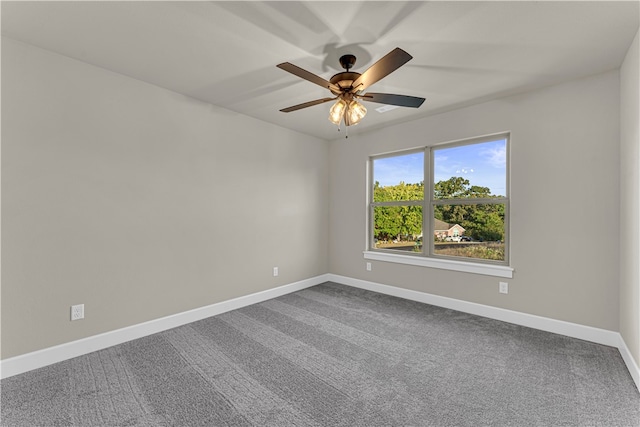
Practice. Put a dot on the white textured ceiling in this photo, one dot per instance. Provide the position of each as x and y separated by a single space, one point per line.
226 53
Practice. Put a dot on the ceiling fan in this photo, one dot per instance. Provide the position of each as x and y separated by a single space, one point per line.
348 87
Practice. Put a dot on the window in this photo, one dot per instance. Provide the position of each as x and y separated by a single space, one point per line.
398 202
446 202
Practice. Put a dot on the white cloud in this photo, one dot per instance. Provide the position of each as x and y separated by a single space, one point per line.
496 156
464 171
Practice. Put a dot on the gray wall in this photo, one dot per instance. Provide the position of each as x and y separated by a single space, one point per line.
629 199
141 203
564 207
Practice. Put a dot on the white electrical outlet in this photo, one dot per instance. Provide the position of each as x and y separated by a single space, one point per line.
275 271
368 266
77 312
504 288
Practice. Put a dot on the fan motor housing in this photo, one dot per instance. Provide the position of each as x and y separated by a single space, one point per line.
344 80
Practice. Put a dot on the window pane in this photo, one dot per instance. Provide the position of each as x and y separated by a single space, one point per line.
398 227
399 178
470 231
471 171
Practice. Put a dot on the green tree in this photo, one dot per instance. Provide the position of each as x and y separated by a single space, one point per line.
459 188
481 221
454 187
485 222
391 222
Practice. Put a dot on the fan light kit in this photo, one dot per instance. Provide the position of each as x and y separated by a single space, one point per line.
348 88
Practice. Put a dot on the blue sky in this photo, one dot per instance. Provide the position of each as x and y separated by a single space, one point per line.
482 164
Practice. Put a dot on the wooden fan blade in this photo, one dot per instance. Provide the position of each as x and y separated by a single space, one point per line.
391 99
294 69
306 104
385 66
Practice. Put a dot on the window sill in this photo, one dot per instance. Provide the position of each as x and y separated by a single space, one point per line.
445 264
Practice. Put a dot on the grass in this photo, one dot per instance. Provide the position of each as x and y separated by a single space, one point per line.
485 250
488 250
398 245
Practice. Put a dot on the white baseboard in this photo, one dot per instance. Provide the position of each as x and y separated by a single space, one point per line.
574 330
634 370
600 336
38 359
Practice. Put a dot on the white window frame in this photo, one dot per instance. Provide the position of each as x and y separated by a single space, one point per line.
427 258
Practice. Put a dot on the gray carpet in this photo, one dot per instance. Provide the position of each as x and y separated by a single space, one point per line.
332 355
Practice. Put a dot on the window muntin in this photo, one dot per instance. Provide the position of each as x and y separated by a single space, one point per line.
465 204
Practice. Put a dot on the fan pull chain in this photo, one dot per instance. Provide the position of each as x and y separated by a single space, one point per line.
346 131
